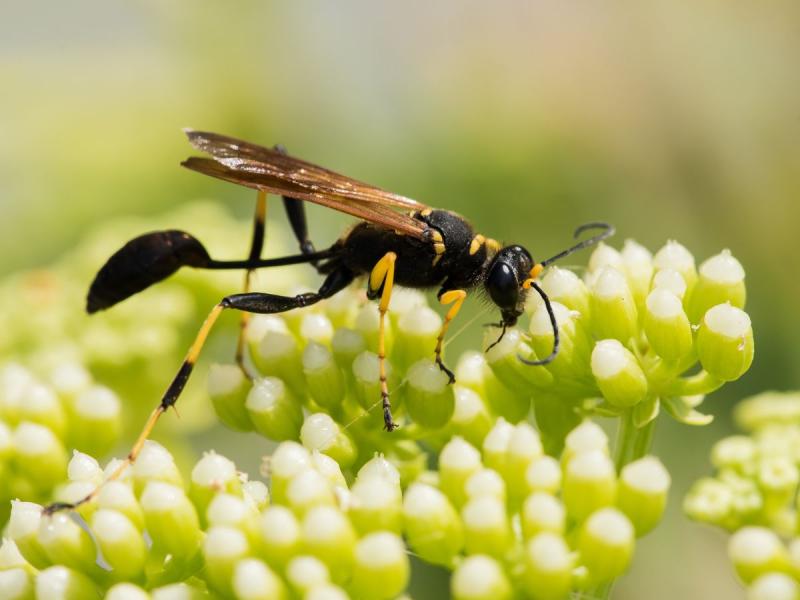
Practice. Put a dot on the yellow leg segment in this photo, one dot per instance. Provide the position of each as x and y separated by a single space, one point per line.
456 299
383 275
255 251
169 399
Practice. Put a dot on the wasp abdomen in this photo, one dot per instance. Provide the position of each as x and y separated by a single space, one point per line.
140 263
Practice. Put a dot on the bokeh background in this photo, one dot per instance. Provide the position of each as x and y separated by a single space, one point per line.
671 119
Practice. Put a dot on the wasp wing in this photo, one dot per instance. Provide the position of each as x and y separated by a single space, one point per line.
254 166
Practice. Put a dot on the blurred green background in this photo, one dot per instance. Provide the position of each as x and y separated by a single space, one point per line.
671 119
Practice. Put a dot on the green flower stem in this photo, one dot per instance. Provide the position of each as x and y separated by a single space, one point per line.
701 383
632 442
555 419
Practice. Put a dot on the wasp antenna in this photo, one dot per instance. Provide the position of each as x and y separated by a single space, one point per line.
553 324
608 231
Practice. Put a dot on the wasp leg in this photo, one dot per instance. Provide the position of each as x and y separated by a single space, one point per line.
381 281
456 298
256 246
251 302
296 211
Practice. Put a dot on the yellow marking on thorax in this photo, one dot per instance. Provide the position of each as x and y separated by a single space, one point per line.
427 212
476 244
438 246
492 245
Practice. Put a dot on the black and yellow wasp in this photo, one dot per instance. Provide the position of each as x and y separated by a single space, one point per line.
397 241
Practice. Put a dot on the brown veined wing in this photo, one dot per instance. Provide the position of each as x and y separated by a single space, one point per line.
258 167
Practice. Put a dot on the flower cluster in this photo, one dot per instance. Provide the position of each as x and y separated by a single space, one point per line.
41 418
466 482
754 494
505 516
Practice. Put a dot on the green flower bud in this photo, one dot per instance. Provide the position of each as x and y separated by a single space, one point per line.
328 468
543 475
233 511
485 482
721 280
564 287
725 342
379 467
326 591
121 543
179 591
253 580
642 496
347 344
376 504
273 410
480 577
11 558
288 459
126 591
96 420
486 527
41 405
618 374
471 419
328 535
278 356
16 584
305 573
23 528
524 447
432 526
415 336
548 567
212 474
583 438
155 463
755 551
367 387
39 454
602 256
709 501
256 494
495 445
573 350
62 583
606 544
667 326
457 461
66 543
543 512
171 519
223 548
589 484
381 566
320 432
637 262
323 376
316 327
228 389
613 307
734 452
429 396
368 322
280 536
307 490
767 408
676 257
670 281
516 377
774 586
118 496
777 477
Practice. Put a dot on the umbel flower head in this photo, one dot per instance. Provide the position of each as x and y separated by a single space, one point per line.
753 494
466 482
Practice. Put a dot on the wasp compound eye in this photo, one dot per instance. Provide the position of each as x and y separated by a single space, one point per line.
503 286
